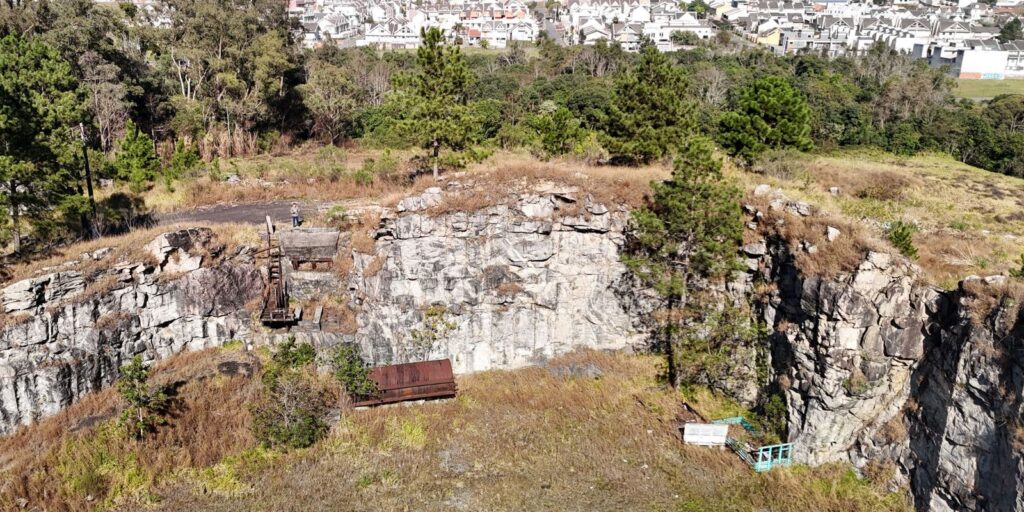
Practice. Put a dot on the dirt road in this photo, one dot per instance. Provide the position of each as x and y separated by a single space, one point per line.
249 213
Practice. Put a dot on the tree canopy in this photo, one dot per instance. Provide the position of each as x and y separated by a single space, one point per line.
40 104
441 88
689 232
768 114
648 116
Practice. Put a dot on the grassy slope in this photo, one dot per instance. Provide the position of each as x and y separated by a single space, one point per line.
512 440
970 221
984 89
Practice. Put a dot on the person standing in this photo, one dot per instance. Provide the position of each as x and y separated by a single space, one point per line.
295 215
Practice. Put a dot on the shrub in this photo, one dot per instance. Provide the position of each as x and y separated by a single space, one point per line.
289 356
905 140
781 163
337 214
146 405
901 235
351 371
590 150
1019 271
364 175
774 415
183 161
291 412
386 166
136 160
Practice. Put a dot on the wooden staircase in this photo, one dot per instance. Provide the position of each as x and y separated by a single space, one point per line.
276 311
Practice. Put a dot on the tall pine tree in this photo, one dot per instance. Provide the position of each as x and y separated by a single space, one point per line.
690 231
768 114
650 115
441 90
41 104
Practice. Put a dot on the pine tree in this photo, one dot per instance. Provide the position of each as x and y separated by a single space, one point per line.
690 231
136 160
1012 31
146 405
558 131
768 114
649 116
40 103
440 87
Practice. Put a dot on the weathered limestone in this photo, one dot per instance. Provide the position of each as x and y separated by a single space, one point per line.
520 283
69 344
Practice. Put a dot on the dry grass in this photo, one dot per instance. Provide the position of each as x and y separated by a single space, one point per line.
129 247
512 440
894 430
843 254
375 266
362 233
985 299
78 460
969 219
500 179
310 173
528 440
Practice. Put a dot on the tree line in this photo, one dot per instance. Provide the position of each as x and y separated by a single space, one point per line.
100 91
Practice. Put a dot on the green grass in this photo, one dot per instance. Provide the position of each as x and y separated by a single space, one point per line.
983 89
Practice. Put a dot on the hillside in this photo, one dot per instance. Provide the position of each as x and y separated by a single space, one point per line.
968 220
588 431
847 319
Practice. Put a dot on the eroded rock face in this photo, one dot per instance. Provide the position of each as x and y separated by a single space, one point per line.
876 368
847 348
881 371
518 283
72 341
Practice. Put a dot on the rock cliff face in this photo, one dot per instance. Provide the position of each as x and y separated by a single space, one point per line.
877 369
70 331
511 284
496 288
902 379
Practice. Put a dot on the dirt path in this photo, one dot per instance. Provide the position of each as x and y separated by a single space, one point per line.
249 213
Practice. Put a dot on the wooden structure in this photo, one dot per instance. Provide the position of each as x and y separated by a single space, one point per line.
309 245
411 381
275 310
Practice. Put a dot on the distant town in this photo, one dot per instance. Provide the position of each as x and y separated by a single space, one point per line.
963 35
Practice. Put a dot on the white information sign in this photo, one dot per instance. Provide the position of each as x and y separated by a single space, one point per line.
705 434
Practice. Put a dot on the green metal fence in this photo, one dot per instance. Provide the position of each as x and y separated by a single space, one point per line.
763 458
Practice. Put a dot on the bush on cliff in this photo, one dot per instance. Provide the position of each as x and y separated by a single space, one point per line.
351 371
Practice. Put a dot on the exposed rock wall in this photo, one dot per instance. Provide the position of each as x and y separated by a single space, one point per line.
518 283
876 368
887 373
67 339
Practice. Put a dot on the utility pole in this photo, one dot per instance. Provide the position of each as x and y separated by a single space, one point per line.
88 182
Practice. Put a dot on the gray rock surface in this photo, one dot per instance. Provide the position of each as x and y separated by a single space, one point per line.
877 369
520 283
70 341
880 370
